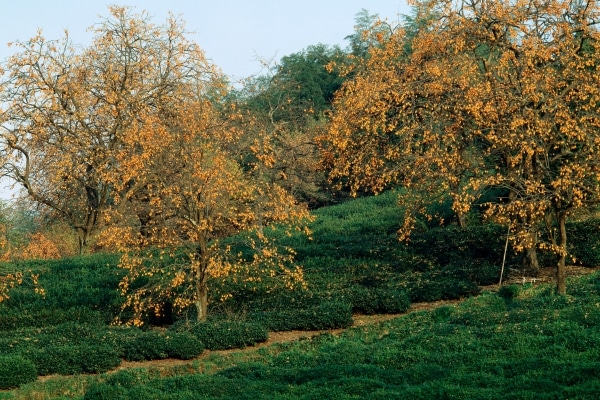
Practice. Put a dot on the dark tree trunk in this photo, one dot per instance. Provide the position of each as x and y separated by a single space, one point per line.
82 236
201 303
531 264
462 220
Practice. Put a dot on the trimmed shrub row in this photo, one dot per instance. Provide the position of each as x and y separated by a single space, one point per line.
152 345
328 315
226 334
378 300
78 348
439 285
15 371
73 359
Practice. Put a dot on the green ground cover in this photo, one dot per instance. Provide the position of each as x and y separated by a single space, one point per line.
522 343
495 346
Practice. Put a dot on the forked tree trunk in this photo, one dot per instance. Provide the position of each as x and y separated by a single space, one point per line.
561 273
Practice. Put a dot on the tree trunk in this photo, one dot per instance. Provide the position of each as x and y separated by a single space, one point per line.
561 279
462 219
201 303
531 264
81 239
201 300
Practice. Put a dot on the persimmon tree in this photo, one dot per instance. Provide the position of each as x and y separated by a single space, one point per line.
536 108
210 215
67 107
492 95
398 122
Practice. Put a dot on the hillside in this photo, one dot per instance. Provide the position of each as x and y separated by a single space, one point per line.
350 327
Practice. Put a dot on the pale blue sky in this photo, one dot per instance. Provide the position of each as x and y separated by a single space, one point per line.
234 34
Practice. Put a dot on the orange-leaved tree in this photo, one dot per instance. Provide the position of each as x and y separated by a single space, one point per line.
66 108
535 106
399 121
492 95
208 216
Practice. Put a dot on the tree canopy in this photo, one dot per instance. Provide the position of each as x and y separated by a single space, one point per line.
132 135
491 95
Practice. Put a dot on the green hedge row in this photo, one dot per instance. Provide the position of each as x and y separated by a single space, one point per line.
328 315
14 318
377 300
439 285
15 371
73 359
225 334
153 345
82 348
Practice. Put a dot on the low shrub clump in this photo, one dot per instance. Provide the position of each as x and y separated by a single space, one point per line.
184 345
16 371
74 359
226 334
143 346
439 285
327 315
378 300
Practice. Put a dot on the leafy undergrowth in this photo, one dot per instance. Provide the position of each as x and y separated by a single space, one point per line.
523 342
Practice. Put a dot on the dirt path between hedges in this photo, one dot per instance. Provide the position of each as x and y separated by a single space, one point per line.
274 337
288 336
546 275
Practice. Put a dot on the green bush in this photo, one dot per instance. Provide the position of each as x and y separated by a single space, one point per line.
584 241
452 244
143 346
12 318
224 334
508 292
439 285
73 359
378 300
184 346
482 272
96 359
328 315
15 371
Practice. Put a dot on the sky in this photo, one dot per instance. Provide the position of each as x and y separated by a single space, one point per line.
234 34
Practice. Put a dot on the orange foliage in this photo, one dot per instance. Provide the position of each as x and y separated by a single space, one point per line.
188 193
8 282
491 95
67 108
127 135
38 248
